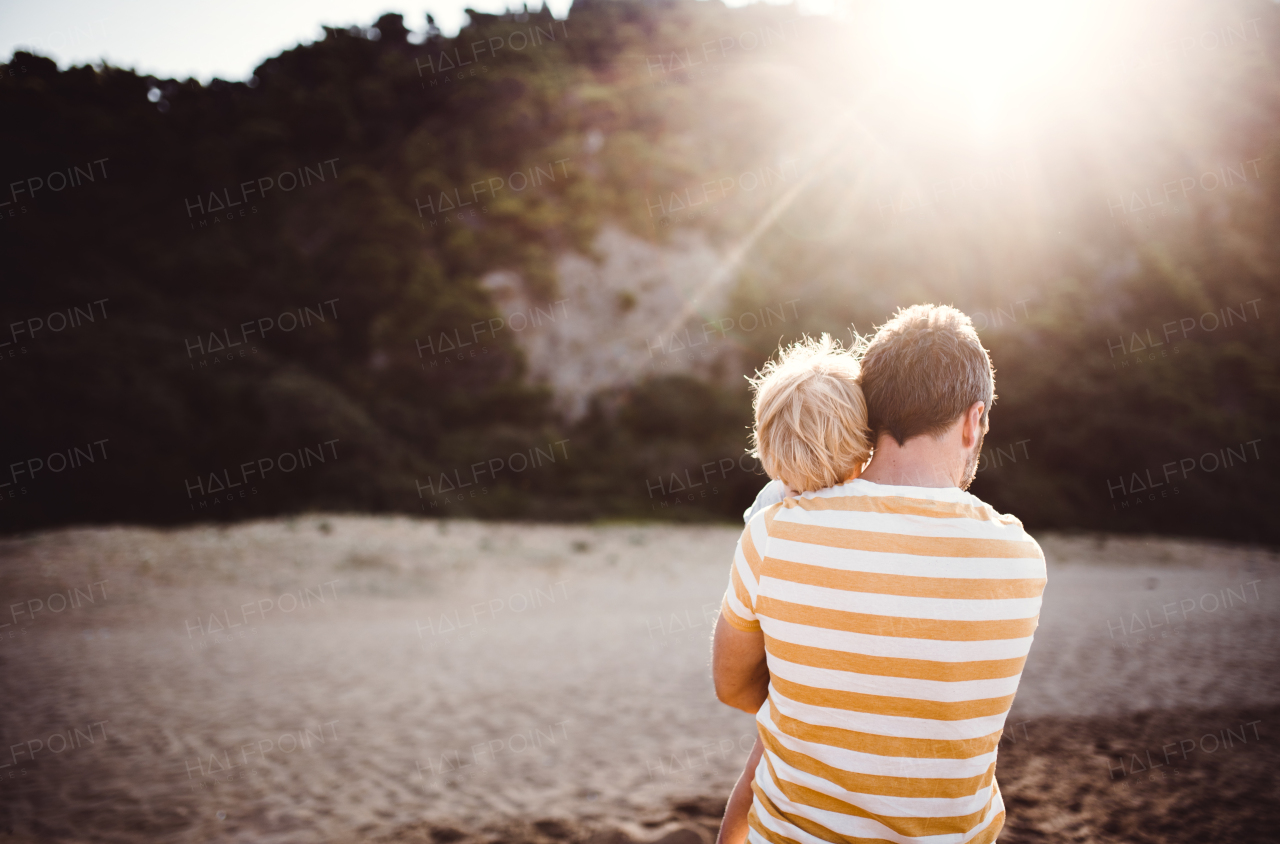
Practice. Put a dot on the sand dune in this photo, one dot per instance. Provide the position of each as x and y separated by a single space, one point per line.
347 678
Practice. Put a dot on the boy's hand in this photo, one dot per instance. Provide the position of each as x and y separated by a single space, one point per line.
733 829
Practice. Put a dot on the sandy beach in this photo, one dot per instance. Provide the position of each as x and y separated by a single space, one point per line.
333 678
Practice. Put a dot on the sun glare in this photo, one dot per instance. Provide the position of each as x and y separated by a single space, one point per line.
981 53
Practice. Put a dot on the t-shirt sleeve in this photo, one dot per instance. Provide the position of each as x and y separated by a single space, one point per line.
770 494
739 606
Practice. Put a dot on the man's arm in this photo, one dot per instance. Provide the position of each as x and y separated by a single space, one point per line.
738 667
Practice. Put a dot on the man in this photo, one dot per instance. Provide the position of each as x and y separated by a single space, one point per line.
878 628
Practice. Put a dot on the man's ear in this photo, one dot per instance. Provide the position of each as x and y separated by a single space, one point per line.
973 424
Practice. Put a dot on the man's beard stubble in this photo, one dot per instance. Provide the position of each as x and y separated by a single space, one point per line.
971 467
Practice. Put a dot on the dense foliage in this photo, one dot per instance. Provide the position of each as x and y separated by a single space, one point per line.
1041 236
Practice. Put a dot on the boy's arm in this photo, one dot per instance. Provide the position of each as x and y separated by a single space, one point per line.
733 829
770 494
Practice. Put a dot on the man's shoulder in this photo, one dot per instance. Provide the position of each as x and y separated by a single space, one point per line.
860 498
1006 523
879 507
994 515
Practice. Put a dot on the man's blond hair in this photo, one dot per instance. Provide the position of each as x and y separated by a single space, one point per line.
811 418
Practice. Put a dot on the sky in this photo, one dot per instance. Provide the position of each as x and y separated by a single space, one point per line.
226 39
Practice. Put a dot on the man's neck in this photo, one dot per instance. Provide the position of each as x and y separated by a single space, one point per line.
923 461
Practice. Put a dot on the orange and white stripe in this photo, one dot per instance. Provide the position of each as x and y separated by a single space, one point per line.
896 621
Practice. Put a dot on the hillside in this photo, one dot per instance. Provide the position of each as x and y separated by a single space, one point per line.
324 267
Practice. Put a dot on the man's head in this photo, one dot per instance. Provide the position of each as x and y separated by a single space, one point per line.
811 420
922 371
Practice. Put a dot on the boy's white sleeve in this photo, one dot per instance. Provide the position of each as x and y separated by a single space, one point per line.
771 494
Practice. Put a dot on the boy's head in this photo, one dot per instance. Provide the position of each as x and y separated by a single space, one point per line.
811 419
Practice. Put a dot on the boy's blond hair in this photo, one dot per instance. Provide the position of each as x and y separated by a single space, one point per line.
811 417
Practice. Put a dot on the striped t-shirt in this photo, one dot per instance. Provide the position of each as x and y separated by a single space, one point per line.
896 622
